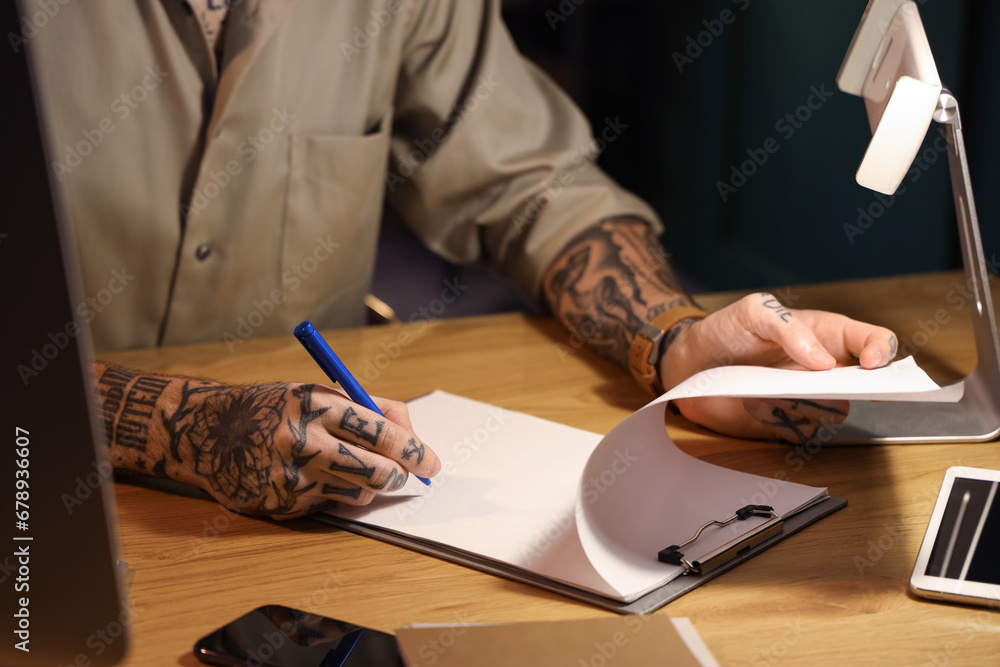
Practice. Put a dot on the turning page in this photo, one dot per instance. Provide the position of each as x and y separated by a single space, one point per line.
547 498
591 512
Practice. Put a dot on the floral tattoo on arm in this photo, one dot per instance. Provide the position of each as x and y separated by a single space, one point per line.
611 280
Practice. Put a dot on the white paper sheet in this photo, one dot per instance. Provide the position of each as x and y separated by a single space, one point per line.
507 489
901 380
629 519
510 486
568 505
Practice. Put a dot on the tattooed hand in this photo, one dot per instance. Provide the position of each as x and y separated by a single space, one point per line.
614 277
281 450
758 330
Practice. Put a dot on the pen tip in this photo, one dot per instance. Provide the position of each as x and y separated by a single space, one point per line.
424 480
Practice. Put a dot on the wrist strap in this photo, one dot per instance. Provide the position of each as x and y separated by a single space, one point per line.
645 351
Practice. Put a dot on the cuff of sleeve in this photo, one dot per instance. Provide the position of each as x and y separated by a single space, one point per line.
593 199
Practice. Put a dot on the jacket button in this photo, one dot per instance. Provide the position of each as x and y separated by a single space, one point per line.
203 251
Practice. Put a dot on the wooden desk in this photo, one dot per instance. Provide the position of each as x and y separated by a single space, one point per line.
836 594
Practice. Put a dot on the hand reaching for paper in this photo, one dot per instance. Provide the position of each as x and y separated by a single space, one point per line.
280 449
614 278
758 330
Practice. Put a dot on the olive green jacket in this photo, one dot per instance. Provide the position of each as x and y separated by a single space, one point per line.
215 208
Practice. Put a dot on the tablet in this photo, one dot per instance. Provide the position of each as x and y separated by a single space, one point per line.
959 560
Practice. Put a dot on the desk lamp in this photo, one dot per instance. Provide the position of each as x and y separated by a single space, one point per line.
889 64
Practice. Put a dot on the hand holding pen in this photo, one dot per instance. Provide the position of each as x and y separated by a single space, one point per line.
378 432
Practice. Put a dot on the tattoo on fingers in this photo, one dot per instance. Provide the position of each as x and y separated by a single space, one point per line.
347 492
393 482
773 304
366 429
354 465
321 506
413 448
231 437
801 428
795 403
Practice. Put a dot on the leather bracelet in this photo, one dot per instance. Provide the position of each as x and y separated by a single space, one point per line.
647 346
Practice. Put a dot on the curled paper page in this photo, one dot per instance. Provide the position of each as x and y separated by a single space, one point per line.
901 380
521 493
640 494
627 514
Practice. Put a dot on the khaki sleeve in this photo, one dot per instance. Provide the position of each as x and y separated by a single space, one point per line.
490 160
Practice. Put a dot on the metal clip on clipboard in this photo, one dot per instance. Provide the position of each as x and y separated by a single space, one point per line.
730 550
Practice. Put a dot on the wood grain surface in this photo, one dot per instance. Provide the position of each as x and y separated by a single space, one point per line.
835 594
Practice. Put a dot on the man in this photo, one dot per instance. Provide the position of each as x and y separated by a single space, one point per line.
232 157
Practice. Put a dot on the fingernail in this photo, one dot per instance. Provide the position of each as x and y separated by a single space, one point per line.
877 359
821 356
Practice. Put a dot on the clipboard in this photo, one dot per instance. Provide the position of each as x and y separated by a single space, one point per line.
646 604
563 517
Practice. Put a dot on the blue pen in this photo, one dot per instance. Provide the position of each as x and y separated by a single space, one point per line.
335 369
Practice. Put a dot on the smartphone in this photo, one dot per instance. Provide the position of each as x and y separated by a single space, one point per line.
959 559
277 636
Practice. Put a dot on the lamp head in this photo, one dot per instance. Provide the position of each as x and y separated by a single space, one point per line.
890 65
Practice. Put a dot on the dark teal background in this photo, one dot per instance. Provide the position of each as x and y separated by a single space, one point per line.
688 128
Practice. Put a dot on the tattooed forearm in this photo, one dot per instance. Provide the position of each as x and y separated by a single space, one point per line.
610 281
126 401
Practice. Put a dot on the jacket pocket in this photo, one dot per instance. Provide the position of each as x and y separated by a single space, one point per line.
332 217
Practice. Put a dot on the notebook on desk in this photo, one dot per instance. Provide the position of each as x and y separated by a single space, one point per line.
539 502
587 516
61 581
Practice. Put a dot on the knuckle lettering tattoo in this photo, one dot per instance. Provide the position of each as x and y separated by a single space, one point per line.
353 465
352 422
